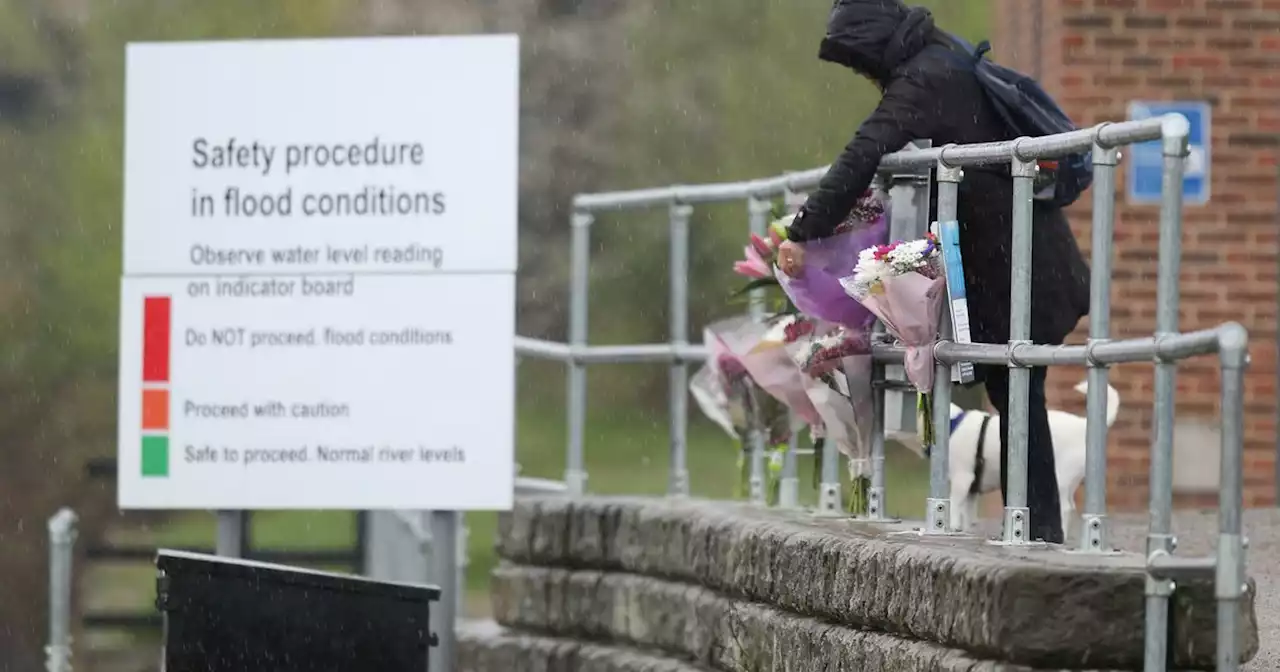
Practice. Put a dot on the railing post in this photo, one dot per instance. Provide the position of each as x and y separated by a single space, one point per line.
1231 586
758 221
1175 131
1016 513
1093 523
876 502
678 395
444 571
789 483
575 475
231 534
463 554
789 487
876 498
62 539
938 513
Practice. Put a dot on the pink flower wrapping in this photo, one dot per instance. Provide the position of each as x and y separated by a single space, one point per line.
768 363
910 306
845 413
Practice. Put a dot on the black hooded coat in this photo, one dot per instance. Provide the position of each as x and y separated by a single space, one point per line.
927 94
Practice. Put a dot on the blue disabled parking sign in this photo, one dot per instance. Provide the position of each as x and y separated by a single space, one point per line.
1146 161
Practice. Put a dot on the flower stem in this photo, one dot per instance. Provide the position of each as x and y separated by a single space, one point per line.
925 417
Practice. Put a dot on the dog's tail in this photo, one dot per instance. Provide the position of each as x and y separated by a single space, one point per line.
1113 400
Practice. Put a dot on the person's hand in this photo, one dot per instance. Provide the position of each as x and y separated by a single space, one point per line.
790 258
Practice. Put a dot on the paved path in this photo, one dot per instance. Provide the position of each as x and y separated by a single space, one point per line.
1197 534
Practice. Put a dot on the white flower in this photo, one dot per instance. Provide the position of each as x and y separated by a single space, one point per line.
832 339
906 257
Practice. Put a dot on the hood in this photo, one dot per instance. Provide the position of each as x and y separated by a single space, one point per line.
875 37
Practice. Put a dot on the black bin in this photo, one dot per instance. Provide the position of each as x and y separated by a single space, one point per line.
230 615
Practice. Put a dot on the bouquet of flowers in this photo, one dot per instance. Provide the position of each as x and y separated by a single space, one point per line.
726 394
760 347
817 291
903 284
759 258
838 364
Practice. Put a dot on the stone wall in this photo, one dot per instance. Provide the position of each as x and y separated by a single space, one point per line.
653 584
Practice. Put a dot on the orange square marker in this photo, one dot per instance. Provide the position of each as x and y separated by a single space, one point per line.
155 409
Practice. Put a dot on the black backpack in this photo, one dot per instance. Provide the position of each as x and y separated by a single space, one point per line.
1030 111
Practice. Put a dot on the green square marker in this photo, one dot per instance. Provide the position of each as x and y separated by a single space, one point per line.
155 456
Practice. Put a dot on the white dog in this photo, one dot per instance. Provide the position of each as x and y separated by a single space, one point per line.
974 458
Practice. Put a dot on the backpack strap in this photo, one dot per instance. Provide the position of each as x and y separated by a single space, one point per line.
962 45
983 48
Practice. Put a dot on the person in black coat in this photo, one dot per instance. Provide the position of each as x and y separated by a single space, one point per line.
928 94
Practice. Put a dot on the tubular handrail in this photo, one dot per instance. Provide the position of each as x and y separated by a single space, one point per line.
613 354
1172 346
1106 135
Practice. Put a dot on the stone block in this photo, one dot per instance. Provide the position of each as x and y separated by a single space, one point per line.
1033 606
484 647
713 631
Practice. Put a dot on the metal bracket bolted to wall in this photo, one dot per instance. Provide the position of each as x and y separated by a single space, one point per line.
937 516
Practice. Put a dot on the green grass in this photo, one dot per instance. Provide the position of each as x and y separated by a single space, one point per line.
626 453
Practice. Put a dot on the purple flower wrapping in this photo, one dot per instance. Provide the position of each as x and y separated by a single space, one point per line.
818 292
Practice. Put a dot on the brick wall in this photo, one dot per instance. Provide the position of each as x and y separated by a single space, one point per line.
1097 55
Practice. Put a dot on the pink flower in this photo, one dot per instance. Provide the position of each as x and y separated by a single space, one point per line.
754 266
797 330
762 246
827 359
775 238
730 366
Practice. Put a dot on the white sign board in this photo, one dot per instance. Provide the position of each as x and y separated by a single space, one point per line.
293 213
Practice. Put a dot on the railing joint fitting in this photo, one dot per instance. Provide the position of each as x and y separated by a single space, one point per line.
1090 357
1014 361
1175 132
582 219
1097 137
947 172
1157 587
1023 166
1104 155
1233 346
1158 354
677 195
758 206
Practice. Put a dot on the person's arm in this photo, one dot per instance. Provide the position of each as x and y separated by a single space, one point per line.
906 112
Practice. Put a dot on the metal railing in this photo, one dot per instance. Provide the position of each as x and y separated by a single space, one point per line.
62 541
907 175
